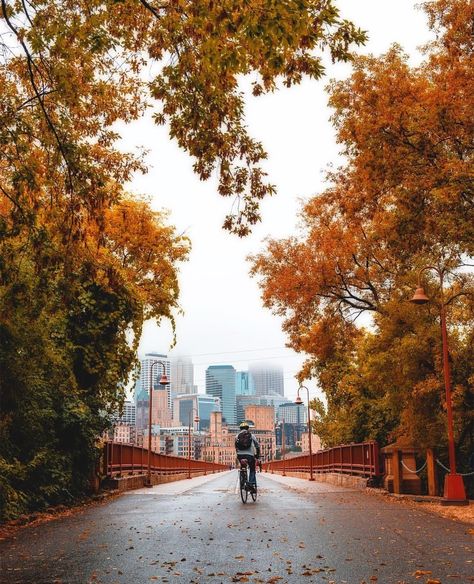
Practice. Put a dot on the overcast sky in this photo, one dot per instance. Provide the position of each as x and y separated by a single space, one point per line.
223 321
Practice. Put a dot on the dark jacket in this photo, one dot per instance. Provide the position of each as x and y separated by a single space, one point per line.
254 449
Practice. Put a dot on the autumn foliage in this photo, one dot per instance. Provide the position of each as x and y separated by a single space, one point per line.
403 199
83 262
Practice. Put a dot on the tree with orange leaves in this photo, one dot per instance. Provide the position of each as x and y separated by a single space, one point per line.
403 198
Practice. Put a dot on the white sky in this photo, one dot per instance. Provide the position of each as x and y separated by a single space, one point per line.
224 322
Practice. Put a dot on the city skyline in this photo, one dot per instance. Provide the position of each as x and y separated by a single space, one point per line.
244 365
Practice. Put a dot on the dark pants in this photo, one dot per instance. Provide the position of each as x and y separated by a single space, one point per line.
251 460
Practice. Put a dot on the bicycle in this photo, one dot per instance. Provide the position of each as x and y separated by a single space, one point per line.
245 486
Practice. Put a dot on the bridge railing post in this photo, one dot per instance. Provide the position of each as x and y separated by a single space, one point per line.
431 473
397 471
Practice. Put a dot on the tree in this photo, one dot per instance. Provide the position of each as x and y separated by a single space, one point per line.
69 332
403 198
81 67
82 262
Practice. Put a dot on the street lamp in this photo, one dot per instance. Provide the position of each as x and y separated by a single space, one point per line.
299 401
454 492
196 419
282 452
163 381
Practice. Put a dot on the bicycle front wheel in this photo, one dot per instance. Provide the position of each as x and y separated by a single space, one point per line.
244 494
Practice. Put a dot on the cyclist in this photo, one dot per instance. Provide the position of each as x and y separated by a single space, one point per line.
247 446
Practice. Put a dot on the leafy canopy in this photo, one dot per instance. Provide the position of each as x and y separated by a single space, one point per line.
83 65
403 199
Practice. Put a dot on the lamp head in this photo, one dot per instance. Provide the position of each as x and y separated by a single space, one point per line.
197 419
164 380
420 297
298 400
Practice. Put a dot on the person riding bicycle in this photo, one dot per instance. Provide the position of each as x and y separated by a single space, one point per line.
247 447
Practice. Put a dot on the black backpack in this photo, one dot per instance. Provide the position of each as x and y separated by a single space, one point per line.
244 440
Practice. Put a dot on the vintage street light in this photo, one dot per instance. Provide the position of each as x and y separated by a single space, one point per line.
163 381
454 492
282 425
299 401
196 420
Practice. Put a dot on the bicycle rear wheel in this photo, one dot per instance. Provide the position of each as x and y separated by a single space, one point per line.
243 487
253 493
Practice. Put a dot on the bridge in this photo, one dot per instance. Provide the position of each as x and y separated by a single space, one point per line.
197 530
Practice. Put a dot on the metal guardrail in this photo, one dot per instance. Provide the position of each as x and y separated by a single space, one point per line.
126 459
354 459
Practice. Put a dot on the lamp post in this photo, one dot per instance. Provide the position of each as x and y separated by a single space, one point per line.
196 419
299 401
283 446
163 381
454 492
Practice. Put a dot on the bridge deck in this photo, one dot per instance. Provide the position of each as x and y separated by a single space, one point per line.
198 531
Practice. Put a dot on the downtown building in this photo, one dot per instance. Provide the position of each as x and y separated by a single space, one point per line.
262 426
293 421
181 375
220 383
267 379
243 401
219 445
124 424
185 407
162 402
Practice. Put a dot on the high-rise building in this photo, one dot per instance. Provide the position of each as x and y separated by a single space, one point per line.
162 403
220 382
267 378
293 413
183 406
128 415
295 419
182 375
244 383
145 368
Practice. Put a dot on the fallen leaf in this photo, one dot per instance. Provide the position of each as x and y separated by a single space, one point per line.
419 573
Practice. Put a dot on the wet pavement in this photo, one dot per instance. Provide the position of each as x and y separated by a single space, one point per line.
198 531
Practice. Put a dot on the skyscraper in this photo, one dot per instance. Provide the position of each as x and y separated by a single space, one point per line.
161 407
267 378
203 404
182 375
295 419
220 382
145 366
244 383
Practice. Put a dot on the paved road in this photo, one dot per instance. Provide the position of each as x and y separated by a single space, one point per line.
198 531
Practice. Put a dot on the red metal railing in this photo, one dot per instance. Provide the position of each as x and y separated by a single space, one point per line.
127 459
354 459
